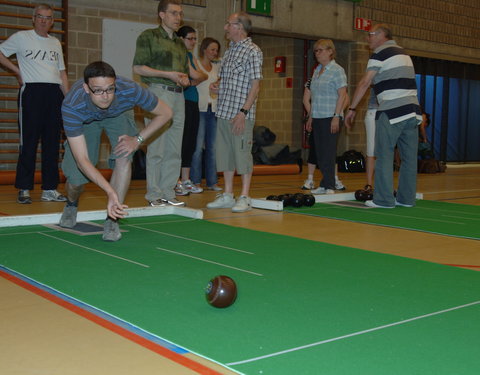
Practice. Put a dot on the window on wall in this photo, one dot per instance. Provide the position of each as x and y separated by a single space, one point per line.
449 92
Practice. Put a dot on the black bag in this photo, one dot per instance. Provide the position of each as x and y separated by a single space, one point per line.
139 165
351 161
263 136
273 155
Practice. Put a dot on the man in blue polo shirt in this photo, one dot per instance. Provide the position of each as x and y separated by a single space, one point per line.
398 115
102 102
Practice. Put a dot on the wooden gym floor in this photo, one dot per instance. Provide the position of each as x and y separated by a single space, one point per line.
52 340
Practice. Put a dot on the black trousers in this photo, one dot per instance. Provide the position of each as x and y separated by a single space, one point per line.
326 150
190 132
40 120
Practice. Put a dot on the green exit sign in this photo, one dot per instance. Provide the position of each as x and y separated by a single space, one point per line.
259 6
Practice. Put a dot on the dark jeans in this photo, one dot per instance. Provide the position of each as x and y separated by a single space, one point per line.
326 150
40 120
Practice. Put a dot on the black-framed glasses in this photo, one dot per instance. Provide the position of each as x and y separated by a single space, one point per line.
99 92
191 38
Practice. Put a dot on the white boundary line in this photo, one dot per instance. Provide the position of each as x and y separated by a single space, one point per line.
54 218
94 250
209 261
352 334
191 239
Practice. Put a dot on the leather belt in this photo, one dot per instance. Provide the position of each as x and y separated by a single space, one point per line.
172 88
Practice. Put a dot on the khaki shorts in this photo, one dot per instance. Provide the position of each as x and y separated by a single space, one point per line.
234 152
114 127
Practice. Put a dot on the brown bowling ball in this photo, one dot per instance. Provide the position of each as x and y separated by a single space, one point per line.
221 291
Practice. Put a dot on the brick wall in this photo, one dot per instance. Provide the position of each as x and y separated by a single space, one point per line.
452 22
280 107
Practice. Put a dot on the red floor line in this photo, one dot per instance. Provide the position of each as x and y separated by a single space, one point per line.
461 265
175 357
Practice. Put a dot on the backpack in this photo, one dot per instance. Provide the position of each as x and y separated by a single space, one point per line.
351 161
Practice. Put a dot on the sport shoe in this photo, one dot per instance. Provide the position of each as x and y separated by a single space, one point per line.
111 231
157 203
308 185
181 190
374 205
24 197
69 217
222 200
214 188
339 185
53 196
173 202
397 203
243 204
322 190
191 188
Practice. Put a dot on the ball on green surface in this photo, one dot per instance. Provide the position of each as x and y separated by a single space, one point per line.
221 291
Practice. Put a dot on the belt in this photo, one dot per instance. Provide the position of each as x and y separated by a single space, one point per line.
172 88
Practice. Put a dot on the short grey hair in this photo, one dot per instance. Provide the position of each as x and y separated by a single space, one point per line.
387 30
244 19
43 6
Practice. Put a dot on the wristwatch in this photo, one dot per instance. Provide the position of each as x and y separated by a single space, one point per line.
337 115
139 139
244 111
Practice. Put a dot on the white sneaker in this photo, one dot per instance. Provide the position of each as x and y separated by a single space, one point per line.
191 188
322 190
214 188
52 196
222 200
397 203
374 205
180 189
308 185
243 204
339 185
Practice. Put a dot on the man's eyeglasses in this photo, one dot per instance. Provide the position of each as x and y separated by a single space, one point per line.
372 33
231 23
191 38
175 13
41 17
319 50
99 92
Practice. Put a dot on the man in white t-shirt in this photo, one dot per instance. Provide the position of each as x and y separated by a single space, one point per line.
43 79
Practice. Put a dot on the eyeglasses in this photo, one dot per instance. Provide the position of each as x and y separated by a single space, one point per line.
231 23
191 38
175 13
47 18
319 50
372 33
99 92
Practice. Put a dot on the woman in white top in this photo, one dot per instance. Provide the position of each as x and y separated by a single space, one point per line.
207 104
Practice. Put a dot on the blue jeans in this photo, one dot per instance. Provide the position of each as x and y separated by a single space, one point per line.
207 132
405 135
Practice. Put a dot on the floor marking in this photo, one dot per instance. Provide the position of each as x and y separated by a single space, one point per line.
22 233
387 214
95 250
191 239
209 261
353 334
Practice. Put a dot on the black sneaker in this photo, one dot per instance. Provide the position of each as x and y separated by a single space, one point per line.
24 197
